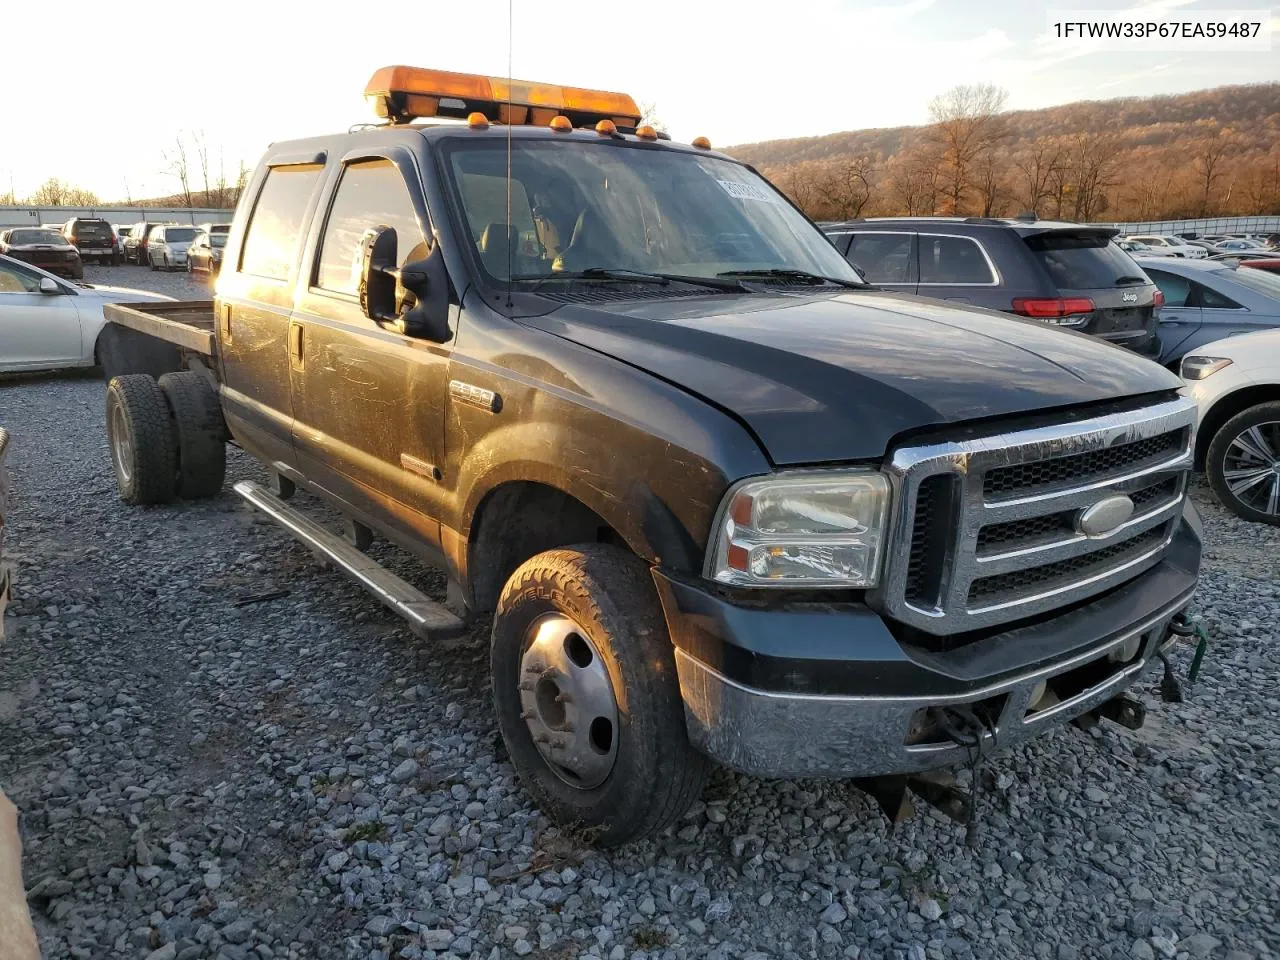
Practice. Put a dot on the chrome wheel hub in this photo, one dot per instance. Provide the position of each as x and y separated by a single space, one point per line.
121 445
1251 468
567 702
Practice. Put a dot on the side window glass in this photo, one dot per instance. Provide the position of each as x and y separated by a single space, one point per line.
882 257
952 260
371 193
1176 290
16 280
1205 297
271 241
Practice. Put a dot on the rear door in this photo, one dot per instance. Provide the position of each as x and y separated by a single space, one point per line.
1180 317
368 401
36 329
254 303
887 258
1086 264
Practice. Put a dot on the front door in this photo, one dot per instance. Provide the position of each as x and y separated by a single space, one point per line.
255 300
369 402
36 329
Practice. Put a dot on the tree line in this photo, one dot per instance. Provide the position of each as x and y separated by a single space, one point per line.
969 161
202 181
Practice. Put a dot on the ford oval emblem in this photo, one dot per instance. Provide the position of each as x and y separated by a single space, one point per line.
1104 516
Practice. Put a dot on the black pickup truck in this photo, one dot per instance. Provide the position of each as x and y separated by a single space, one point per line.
722 499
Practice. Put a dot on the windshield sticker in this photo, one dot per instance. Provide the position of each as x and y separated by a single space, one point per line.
747 191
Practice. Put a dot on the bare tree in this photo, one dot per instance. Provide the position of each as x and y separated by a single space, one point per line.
847 185
990 180
1207 164
176 165
1034 174
915 178
202 155
242 181
54 193
966 124
1094 164
649 115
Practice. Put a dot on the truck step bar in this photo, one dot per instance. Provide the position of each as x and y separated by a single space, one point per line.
426 618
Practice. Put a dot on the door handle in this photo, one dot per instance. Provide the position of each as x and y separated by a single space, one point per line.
295 345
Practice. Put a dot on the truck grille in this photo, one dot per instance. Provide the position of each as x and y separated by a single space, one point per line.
995 521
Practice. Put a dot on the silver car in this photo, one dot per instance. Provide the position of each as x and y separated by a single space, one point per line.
1206 300
167 247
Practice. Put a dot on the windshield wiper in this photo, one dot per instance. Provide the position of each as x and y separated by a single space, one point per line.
622 275
785 273
1131 279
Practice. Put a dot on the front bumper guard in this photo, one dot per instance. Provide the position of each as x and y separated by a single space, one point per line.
782 734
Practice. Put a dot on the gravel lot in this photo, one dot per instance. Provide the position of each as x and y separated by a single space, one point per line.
205 773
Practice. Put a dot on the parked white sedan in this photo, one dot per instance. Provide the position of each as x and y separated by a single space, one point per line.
1236 384
47 323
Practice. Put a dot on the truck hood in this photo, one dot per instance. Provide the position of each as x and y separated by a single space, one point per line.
831 377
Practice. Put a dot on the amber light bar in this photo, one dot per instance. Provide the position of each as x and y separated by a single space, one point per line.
402 94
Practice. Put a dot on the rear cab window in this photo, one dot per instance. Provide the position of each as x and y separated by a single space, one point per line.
275 227
1077 261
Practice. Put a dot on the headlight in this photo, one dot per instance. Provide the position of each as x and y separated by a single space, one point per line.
814 530
1197 368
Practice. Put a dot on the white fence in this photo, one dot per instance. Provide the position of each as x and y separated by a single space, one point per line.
28 216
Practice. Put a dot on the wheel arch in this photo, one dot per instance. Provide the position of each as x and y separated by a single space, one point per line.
1227 407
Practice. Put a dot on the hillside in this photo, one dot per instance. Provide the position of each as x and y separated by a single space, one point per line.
1211 152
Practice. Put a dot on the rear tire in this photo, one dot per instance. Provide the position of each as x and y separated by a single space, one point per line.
201 432
140 431
1249 501
604 598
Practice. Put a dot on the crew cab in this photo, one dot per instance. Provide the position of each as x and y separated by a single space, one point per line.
723 500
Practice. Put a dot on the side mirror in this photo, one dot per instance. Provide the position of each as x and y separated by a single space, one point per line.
384 290
49 286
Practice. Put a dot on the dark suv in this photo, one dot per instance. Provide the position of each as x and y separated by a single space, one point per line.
1066 274
94 238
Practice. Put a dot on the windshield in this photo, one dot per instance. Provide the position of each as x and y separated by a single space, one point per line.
180 235
577 206
36 236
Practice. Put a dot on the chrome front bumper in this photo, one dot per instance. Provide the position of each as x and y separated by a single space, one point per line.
776 734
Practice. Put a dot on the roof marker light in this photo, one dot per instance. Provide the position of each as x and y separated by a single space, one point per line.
702 143
561 124
477 121
606 128
646 132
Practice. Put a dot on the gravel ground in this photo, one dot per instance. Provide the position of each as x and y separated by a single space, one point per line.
204 772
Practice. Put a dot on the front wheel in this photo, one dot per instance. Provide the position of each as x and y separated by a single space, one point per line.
1243 464
577 633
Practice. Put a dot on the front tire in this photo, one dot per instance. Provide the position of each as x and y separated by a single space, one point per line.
1243 464
201 433
141 435
577 631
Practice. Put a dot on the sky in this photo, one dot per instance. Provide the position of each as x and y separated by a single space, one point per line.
243 73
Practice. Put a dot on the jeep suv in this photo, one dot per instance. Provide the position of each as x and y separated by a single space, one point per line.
1065 274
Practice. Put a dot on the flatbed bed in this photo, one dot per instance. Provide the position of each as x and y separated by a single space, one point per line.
187 324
